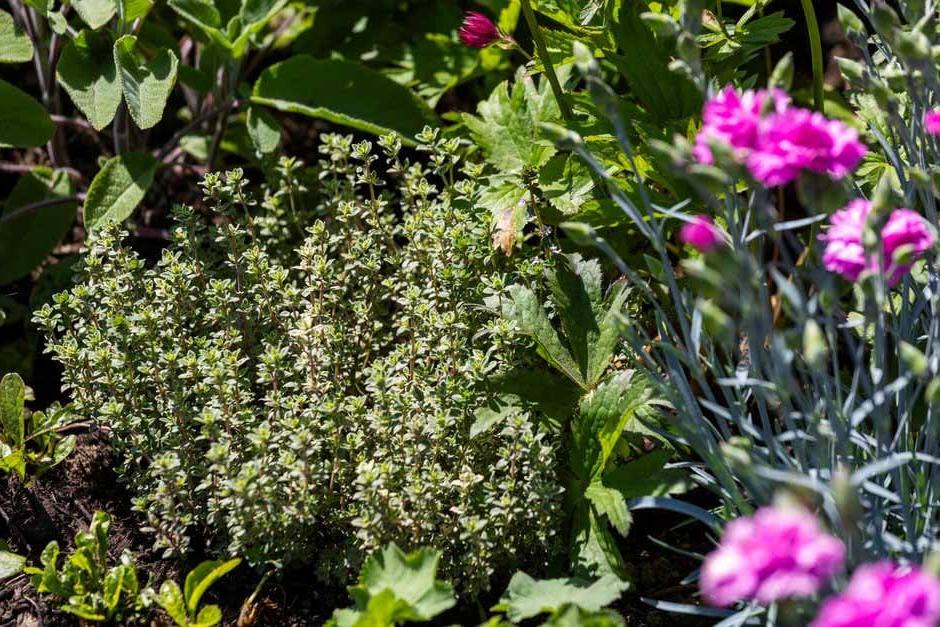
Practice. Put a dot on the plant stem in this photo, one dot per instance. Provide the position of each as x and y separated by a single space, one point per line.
815 45
546 61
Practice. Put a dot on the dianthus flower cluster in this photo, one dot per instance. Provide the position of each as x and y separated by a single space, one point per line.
774 139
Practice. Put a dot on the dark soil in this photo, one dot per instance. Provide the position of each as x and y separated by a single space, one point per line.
63 501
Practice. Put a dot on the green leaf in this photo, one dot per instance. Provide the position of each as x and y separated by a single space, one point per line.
27 240
15 45
88 73
594 551
604 414
644 63
205 16
522 307
170 598
24 122
527 597
254 16
200 578
119 580
576 289
63 448
411 578
488 416
118 188
264 130
12 410
647 476
508 126
610 503
146 84
11 564
572 616
209 616
336 90
95 13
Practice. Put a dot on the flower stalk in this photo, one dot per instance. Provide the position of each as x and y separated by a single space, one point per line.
542 52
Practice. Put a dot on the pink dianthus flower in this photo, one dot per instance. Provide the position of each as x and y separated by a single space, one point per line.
478 31
733 118
777 553
884 595
701 234
845 252
798 139
932 122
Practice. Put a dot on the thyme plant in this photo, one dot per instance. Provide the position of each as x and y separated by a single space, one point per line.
311 406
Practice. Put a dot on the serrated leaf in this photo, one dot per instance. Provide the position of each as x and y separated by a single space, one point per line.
24 123
95 13
610 503
522 306
12 410
334 89
170 598
263 129
146 84
507 126
11 564
411 578
27 240
527 597
644 63
602 417
594 551
118 188
15 45
89 75
200 578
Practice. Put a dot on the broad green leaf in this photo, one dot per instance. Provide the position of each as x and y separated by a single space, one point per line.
644 63
253 17
610 503
604 413
146 84
200 578
573 616
11 564
12 409
594 551
345 93
88 73
209 616
135 9
63 448
27 240
95 13
84 612
647 476
24 122
527 597
488 416
264 130
411 578
504 197
14 462
508 125
15 45
205 16
576 289
170 598
118 188
522 306
116 583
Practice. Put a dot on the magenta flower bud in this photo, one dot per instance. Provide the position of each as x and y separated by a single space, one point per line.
884 595
932 122
775 554
478 31
701 234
